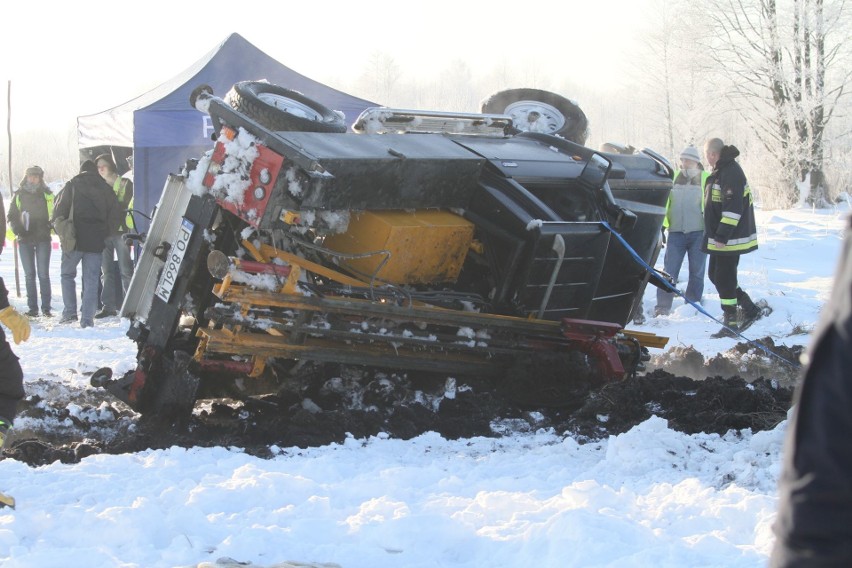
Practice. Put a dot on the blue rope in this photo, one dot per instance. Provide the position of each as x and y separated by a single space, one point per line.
641 262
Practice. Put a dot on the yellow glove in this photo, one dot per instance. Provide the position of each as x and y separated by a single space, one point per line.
17 324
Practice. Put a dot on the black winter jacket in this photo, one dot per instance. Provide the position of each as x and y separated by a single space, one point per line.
814 521
728 208
4 296
35 204
95 209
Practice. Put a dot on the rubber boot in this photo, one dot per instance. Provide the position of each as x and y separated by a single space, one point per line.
731 322
749 310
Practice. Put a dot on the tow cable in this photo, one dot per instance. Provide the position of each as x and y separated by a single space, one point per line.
698 307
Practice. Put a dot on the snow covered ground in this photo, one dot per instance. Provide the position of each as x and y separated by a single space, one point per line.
648 497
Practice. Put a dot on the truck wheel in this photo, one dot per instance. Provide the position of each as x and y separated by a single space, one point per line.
278 108
535 110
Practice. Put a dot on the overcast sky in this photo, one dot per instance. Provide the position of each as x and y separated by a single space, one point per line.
67 59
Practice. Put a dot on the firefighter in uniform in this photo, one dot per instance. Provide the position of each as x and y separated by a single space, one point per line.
729 232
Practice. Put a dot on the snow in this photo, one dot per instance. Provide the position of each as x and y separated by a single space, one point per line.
792 270
231 179
648 497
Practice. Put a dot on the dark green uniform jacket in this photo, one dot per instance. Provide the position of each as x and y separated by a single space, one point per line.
728 208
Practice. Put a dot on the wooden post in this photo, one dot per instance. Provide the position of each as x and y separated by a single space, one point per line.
2 207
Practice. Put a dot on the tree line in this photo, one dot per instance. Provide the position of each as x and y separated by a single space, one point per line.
770 76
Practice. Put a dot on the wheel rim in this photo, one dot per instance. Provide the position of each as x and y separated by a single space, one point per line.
535 116
290 106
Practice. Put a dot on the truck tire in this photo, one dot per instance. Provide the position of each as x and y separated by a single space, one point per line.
556 114
279 109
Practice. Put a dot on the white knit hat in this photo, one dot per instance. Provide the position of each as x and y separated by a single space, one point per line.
690 153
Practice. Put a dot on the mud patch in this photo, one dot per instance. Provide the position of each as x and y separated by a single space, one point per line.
714 405
67 425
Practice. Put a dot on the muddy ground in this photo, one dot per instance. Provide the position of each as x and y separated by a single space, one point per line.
741 388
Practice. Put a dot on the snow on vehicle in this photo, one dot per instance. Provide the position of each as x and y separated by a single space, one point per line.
453 244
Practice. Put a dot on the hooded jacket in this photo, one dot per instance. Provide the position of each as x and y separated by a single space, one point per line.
728 208
95 208
37 204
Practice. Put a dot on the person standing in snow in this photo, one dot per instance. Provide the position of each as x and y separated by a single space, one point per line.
685 224
814 522
115 246
29 218
729 232
95 213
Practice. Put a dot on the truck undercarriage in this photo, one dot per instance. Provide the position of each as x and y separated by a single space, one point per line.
445 243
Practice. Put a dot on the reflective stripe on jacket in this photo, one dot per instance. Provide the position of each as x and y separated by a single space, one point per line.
729 208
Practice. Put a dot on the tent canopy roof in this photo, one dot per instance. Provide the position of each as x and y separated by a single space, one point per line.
163 131
234 60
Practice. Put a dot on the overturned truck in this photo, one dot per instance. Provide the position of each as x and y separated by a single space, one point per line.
490 245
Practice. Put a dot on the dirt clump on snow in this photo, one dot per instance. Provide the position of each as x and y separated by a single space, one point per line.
741 388
747 360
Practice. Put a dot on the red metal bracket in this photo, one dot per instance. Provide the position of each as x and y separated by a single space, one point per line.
594 338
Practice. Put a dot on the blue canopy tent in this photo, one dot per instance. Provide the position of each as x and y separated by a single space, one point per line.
162 131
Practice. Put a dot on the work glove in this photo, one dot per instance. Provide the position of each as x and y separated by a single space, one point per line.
17 324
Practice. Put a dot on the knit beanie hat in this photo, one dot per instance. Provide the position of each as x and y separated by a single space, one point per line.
88 166
690 153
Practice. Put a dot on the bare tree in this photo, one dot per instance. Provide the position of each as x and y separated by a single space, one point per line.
379 80
54 150
781 80
660 43
819 189
674 77
455 88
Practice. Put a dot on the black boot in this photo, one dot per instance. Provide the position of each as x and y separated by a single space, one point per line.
731 323
750 311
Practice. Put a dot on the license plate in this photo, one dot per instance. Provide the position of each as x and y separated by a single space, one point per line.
173 261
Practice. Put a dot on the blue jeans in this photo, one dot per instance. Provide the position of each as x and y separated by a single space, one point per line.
679 245
125 267
35 260
91 277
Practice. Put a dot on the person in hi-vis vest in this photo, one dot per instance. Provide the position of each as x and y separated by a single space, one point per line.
30 211
115 247
684 224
